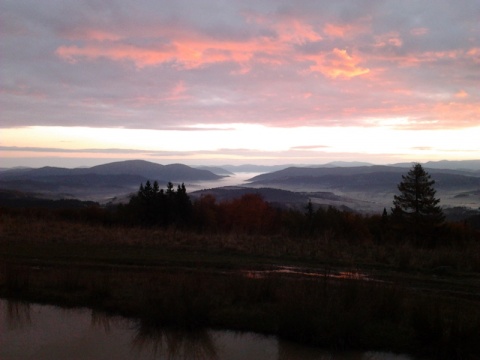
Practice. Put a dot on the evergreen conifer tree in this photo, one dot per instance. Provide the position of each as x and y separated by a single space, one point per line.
417 207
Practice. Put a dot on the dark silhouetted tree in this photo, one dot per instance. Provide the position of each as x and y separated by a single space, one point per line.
309 217
183 206
206 213
154 206
416 208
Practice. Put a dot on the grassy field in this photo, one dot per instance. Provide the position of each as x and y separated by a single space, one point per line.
405 299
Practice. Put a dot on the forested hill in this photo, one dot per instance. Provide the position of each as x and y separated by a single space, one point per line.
363 178
142 168
109 179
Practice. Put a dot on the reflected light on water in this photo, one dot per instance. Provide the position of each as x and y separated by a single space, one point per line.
32 331
18 314
292 270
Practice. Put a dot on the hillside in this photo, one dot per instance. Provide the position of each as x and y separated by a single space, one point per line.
278 197
100 181
362 187
370 188
145 169
363 178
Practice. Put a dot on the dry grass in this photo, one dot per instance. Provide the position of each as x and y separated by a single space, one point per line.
323 249
428 302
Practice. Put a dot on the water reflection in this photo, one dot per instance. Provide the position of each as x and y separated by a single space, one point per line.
293 270
158 342
18 314
290 351
32 331
174 344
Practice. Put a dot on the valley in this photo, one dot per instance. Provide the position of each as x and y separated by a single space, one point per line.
358 187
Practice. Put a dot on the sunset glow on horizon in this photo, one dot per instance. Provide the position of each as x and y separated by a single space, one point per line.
211 83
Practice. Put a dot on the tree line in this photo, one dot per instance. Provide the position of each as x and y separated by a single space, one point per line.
154 206
415 217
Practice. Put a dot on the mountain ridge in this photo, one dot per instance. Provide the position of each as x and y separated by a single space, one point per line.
146 169
366 186
104 180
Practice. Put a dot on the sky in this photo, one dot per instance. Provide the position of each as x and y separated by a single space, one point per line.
213 82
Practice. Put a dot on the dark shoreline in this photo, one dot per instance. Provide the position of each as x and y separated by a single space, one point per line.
340 314
402 300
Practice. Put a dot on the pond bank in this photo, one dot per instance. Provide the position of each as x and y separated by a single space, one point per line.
326 311
312 291
48 332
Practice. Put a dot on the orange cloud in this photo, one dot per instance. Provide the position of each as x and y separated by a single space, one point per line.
474 53
461 94
193 50
456 114
338 64
186 52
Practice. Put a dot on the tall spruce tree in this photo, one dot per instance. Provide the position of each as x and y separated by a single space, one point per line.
417 207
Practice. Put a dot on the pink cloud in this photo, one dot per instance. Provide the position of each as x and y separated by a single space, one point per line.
294 31
391 39
474 54
456 114
461 94
190 51
419 31
178 90
461 57
337 30
141 57
89 34
338 64
308 64
187 53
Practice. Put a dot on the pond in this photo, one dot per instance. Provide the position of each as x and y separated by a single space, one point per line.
33 331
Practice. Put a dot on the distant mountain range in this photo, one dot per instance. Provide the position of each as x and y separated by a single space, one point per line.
250 168
146 169
370 188
360 186
460 165
362 178
109 179
465 165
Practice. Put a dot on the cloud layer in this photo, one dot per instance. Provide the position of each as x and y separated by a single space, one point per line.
155 64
